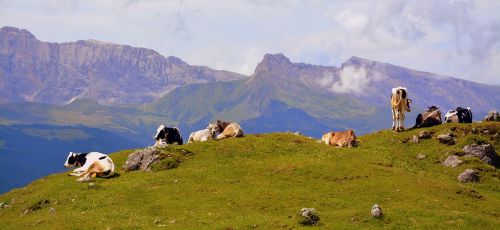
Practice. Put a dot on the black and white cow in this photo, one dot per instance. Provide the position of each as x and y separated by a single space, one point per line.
459 115
168 135
90 165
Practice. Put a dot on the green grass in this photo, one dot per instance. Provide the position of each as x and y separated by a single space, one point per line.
264 180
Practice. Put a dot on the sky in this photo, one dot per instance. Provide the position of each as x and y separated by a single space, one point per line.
452 38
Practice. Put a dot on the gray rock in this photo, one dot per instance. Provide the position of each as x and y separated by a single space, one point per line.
52 210
492 116
452 161
469 175
309 216
446 139
141 160
415 139
424 135
421 156
376 211
484 152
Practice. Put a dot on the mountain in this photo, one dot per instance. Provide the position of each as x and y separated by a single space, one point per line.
282 95
263 181
56 73
425 89
279 96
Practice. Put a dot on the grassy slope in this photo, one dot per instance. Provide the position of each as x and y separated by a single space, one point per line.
266 179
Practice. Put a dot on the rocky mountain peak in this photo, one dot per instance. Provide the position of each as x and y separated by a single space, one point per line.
273 62
8 31
357 61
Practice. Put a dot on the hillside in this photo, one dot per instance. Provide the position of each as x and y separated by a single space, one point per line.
56 73
263 180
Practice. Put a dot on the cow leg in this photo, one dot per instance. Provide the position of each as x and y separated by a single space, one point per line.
91 172
393 119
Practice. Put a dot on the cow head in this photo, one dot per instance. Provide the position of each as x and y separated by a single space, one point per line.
160 133
407 105
71 160
213 129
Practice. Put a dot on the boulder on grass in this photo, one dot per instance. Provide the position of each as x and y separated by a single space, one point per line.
452 161
492 116
141 160
484 152
446 139
469 175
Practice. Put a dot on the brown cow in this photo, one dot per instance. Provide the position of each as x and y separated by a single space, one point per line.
228 129
341 139
429 118
400 103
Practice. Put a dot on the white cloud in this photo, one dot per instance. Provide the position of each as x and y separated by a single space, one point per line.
350 80
457 38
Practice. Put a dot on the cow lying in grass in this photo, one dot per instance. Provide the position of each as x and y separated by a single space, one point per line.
90 165
459 115
431 117
227 129
341 139
203 135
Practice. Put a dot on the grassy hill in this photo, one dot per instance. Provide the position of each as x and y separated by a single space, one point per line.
262 181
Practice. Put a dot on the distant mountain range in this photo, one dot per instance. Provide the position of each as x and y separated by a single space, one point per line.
117 95
56 73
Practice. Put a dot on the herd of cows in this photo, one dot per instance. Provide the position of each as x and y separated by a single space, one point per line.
95 164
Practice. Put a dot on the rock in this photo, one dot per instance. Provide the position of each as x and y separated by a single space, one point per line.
424 135
446 139
415 139
141 160
376 211
452 161
484 152
421 156
309 216
492 116
469 175
52 210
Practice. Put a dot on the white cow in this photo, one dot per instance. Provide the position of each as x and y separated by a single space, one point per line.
90 165
203 135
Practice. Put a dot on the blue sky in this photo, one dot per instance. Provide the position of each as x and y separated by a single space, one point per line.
454 38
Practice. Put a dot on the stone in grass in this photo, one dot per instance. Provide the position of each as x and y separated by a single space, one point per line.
469 175
308 216
421 156
452 161
484 152
424 135
376 211
415 139
446 139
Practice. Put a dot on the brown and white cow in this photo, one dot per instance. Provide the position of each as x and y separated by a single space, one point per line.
228 129
400 103
431 117
341 139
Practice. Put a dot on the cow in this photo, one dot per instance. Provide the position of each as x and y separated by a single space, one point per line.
203 135
168 135
90 165
431 117
340 139
459 115
400 103
227 129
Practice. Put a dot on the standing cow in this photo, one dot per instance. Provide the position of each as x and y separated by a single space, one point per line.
168 135
400 103
459 115
429 118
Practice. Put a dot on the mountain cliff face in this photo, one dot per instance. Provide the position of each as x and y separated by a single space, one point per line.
56 73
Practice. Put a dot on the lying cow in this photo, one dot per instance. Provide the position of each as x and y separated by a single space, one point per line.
168 135
228 129
459 115
341 139
90 165
203 135
429 118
